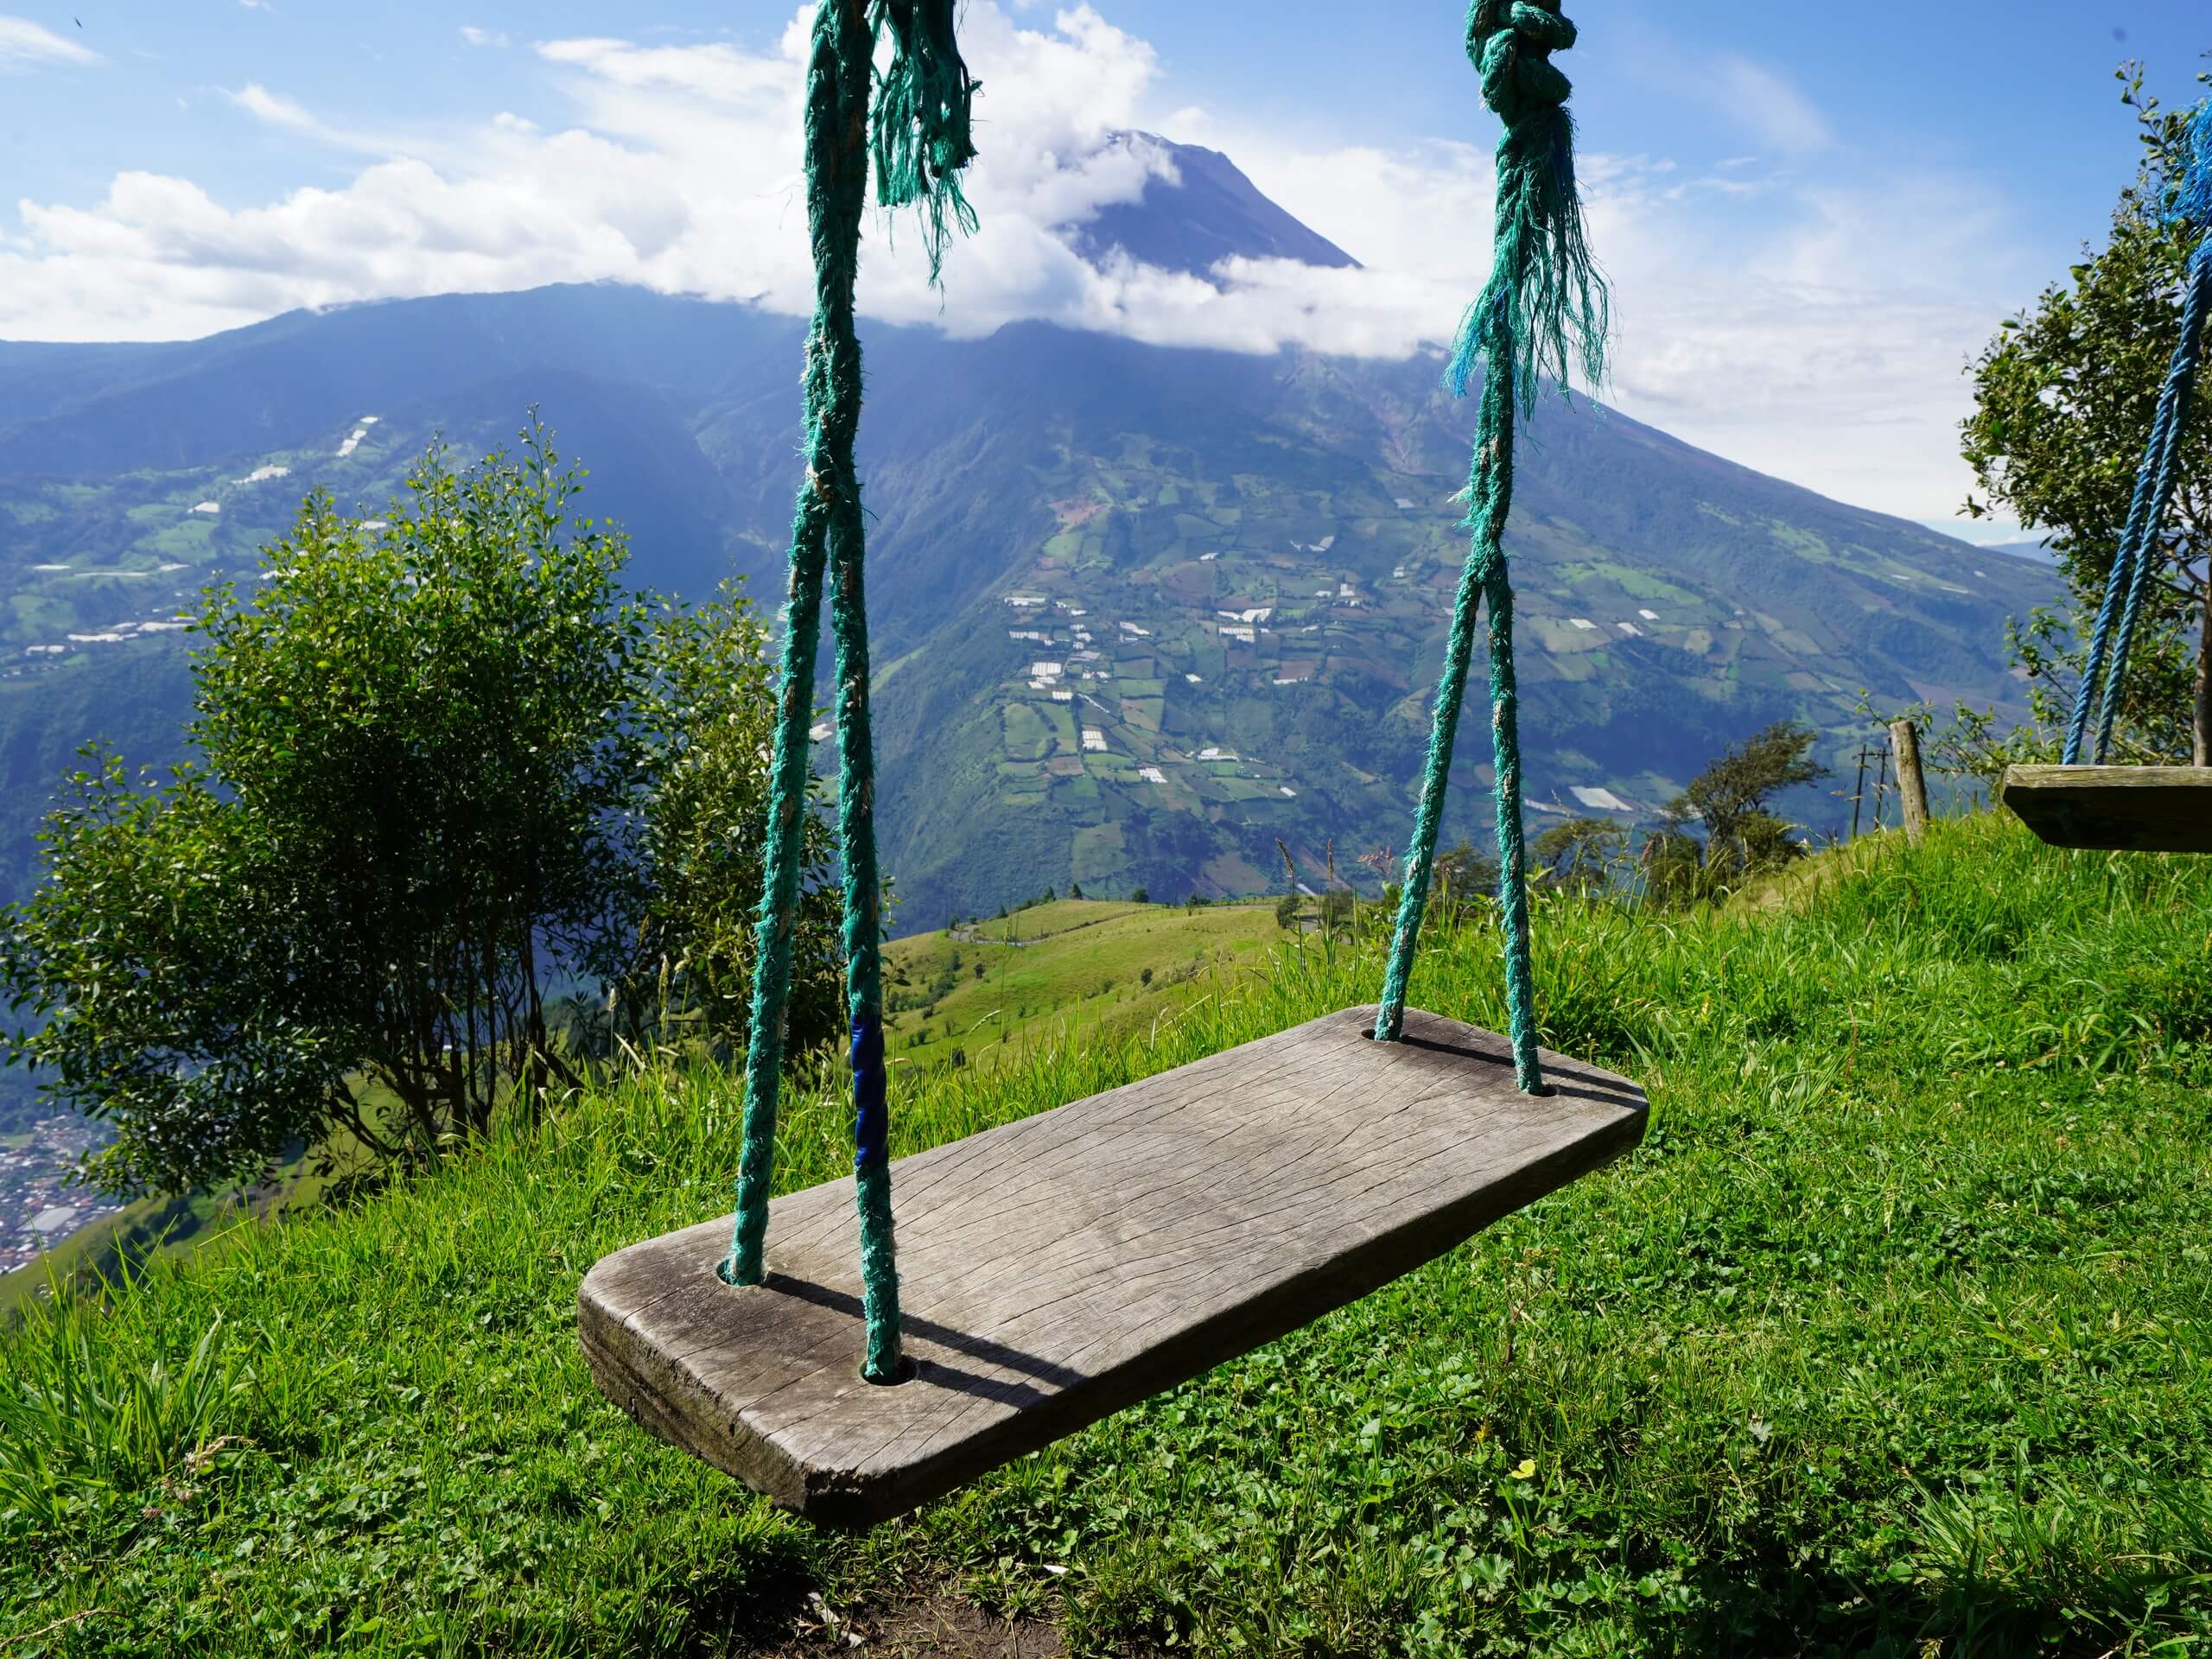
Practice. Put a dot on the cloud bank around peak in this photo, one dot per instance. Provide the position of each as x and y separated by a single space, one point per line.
1758 313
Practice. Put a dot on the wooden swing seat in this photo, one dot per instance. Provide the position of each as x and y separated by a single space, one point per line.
1058 1268
2115 808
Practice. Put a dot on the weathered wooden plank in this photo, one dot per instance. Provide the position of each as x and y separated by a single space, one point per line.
1056 1269
2117 809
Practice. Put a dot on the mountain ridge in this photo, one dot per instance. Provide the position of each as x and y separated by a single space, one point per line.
1143 613
1093 468
1208 211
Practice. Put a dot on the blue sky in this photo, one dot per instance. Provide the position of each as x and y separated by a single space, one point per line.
1812 220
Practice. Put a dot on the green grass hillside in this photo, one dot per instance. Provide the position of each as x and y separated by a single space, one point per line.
1896 1336
168 1226
1073 969
1106 971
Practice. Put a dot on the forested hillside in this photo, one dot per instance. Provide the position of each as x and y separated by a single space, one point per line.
1139 611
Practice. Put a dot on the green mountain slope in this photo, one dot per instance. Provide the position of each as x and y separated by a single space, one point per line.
1139 611
1139 633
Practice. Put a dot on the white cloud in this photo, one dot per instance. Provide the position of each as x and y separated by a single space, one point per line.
1772 107
1760 315
1729 87
277 111
1756 316
475 36
719 73
23 42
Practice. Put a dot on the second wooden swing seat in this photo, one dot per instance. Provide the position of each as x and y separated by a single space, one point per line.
2115 808
1058 1268
2136 809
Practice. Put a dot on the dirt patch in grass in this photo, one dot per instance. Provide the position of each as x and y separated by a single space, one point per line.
936 1625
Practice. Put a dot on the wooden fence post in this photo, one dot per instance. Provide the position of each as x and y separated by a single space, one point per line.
1912 788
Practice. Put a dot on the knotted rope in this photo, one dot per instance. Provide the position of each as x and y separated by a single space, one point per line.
919 142
1543 312
2135 562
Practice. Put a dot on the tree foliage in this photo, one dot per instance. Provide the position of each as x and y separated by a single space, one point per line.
703 725
1463 874
1581 854
2064 397
1724 827
447 769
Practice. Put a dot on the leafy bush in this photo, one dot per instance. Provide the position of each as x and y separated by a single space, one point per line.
1730 805
1582 853
446 768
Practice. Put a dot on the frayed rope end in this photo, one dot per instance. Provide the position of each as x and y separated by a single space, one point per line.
923 124
1546 305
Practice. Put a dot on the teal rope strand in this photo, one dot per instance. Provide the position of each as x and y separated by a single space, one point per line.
922 133
863 939
836 104
772 929
1543 310
1483 580
1506 746
918 142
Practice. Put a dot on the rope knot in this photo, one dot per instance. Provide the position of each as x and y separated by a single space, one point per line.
1544 310
1511 42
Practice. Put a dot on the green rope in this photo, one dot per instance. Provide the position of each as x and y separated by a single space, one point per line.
921 133
918 142
1542 312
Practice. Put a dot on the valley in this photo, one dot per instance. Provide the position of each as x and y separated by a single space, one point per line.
1139 613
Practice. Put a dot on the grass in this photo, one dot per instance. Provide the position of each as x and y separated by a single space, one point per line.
1103 968
169 1226
1895 1337
84 1250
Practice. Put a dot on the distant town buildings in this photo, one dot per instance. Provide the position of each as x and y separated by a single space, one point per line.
38 1208
1182 643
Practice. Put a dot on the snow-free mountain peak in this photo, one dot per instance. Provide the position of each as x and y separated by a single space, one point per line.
1196 210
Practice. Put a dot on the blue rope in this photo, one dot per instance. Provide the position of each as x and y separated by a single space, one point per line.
2134 564
2174 399
2119 584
